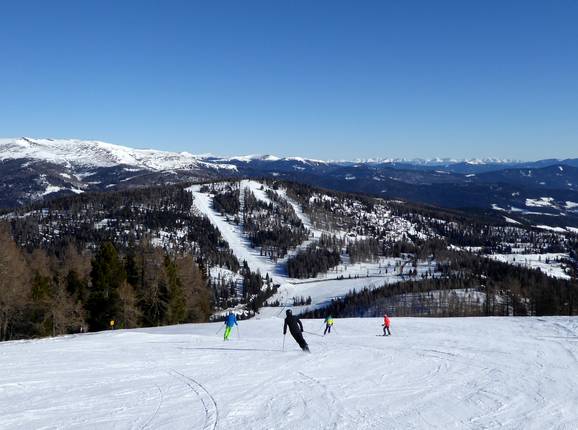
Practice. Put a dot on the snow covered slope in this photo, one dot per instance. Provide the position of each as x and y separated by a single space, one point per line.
98 153
34 169
91 153
431 374
547 263
326 286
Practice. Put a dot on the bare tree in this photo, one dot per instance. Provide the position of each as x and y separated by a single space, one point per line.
14 283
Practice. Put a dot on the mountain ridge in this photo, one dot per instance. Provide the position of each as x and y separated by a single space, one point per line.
39 148
35 169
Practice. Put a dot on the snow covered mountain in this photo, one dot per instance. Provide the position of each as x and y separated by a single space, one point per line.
33 169
83 154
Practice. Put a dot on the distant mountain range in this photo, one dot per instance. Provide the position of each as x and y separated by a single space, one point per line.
544 191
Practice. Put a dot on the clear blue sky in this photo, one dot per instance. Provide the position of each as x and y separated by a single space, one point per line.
327 79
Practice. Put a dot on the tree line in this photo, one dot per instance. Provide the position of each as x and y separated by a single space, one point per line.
73 290
164 215
469 286
317 258
227 201
274 228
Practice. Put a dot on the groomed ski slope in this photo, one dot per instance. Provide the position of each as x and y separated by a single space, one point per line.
476 373
322 288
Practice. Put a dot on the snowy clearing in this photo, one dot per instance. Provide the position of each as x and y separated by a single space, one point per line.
431 374
548 264
327 286
542 202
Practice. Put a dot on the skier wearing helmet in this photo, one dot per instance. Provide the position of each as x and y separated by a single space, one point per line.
296 329
230 322
386 323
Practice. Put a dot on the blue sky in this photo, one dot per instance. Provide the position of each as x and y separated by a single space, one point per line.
326 79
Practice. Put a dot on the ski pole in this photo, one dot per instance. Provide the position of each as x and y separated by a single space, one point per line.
314 334
220 329
238 333
283 343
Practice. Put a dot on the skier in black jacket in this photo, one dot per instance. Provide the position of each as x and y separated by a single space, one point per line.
296 329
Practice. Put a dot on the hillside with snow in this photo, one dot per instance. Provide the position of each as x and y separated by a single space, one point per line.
268 245
82 154
531 193
260 247
430 374
321 288
354 223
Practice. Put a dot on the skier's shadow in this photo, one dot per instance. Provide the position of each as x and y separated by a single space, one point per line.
207 348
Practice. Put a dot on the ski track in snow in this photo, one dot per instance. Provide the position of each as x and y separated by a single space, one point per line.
207 399
460 373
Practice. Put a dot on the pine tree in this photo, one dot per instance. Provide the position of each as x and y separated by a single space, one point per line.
177 306
107 276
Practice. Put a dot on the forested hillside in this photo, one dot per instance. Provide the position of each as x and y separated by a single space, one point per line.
163 255
69 290
139 257
469 286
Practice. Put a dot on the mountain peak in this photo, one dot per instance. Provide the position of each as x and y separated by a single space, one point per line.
93 153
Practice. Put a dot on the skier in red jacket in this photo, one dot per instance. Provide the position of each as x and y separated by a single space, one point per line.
386 323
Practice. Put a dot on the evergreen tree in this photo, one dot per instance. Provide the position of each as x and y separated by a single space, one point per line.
177 306
107 276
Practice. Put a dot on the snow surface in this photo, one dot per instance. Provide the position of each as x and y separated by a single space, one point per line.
554 229
340 280
536 261
54 189
257 189
232 234
87 153
252 157
453 373
542 202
